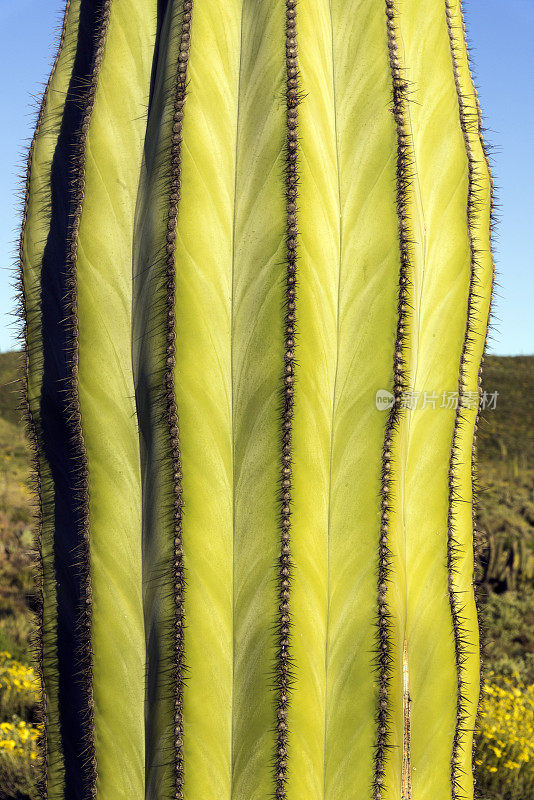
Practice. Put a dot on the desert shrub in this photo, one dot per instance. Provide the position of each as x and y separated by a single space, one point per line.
505 742
18 759
509 633
16 629
19 687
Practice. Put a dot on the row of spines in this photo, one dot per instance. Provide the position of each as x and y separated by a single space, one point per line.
404 174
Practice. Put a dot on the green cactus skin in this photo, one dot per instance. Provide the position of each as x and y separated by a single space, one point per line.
241 221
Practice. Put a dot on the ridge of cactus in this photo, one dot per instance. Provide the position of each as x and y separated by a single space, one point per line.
471 124
477 539
171 411
32 359
155 354
291 178
404 170
460 636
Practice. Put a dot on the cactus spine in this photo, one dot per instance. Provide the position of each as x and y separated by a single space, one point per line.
252 581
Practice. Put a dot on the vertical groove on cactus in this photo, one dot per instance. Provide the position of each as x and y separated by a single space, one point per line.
399 385
257 291
406 787
85 655
331 448
60 443
32 365
170 398
284 617
241 15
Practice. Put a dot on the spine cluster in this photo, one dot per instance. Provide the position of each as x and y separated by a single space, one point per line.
85 618
399 383
283 666
171 411
33 429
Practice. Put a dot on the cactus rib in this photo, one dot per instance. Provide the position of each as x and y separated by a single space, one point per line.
460 634
33 360
399 385
170 399
474 477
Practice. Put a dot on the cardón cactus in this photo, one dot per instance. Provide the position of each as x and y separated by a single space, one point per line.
256 274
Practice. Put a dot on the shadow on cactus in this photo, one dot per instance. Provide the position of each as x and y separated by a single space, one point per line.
245 222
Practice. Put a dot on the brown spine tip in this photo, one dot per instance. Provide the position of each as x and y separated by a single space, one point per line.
169 401
383 658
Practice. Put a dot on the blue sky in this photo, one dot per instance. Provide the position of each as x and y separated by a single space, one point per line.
501 34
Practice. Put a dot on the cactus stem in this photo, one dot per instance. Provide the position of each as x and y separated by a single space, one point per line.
171 413
288 381
399 90
33 430
223 282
